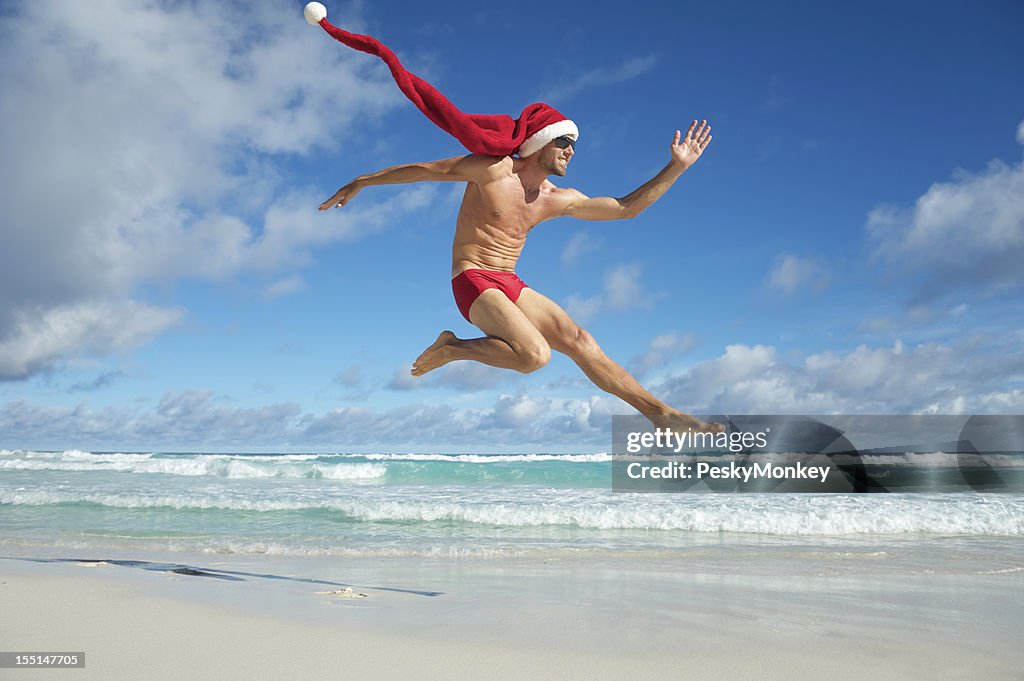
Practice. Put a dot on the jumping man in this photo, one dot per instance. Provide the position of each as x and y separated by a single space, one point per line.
505 198
508 194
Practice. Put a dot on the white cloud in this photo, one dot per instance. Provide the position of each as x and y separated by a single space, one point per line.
183 417
291 228
511 423
792 273
583 309
519 412
350 377
973 216
622 291
631 68
968 231
403 380
622 288
579 245
969 377
283 287
101 381
463 376
951 378
36 341
200 420
1001 402
135 143
662 350
472 376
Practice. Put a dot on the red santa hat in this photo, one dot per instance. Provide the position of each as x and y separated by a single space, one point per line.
488 134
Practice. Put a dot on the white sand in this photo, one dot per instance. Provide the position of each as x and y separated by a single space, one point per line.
569 620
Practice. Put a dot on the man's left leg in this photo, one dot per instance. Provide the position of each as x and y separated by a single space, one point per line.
567 337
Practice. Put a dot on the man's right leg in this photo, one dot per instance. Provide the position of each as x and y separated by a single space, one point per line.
512 342
567 337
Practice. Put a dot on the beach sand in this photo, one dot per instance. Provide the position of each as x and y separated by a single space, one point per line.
572 618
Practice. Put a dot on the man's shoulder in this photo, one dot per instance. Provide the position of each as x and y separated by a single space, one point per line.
568 194
489 167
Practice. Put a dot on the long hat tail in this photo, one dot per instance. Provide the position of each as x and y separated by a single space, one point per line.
490 134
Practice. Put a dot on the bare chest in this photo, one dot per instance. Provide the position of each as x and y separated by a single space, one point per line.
508 207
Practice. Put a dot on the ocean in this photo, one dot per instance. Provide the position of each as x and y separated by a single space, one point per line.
80 504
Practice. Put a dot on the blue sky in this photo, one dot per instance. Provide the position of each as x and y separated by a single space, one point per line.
850 242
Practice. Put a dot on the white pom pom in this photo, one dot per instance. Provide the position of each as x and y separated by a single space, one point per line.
314 12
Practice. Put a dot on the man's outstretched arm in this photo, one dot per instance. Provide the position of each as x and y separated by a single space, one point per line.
457 169
685 152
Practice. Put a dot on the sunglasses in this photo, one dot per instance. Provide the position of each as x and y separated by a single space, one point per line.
563 142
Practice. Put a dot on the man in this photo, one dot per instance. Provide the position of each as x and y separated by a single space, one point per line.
505 198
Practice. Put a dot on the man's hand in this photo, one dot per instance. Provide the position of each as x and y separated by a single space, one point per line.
342 196
686 152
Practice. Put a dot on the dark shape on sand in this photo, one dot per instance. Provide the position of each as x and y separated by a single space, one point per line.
229 575
196 573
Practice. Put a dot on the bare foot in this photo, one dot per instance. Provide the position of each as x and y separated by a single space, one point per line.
680 423
433 357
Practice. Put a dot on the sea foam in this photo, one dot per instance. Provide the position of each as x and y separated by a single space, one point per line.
767 514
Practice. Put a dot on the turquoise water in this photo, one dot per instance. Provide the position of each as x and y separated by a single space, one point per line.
379 504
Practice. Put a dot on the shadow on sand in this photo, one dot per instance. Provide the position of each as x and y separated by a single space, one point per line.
228 575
